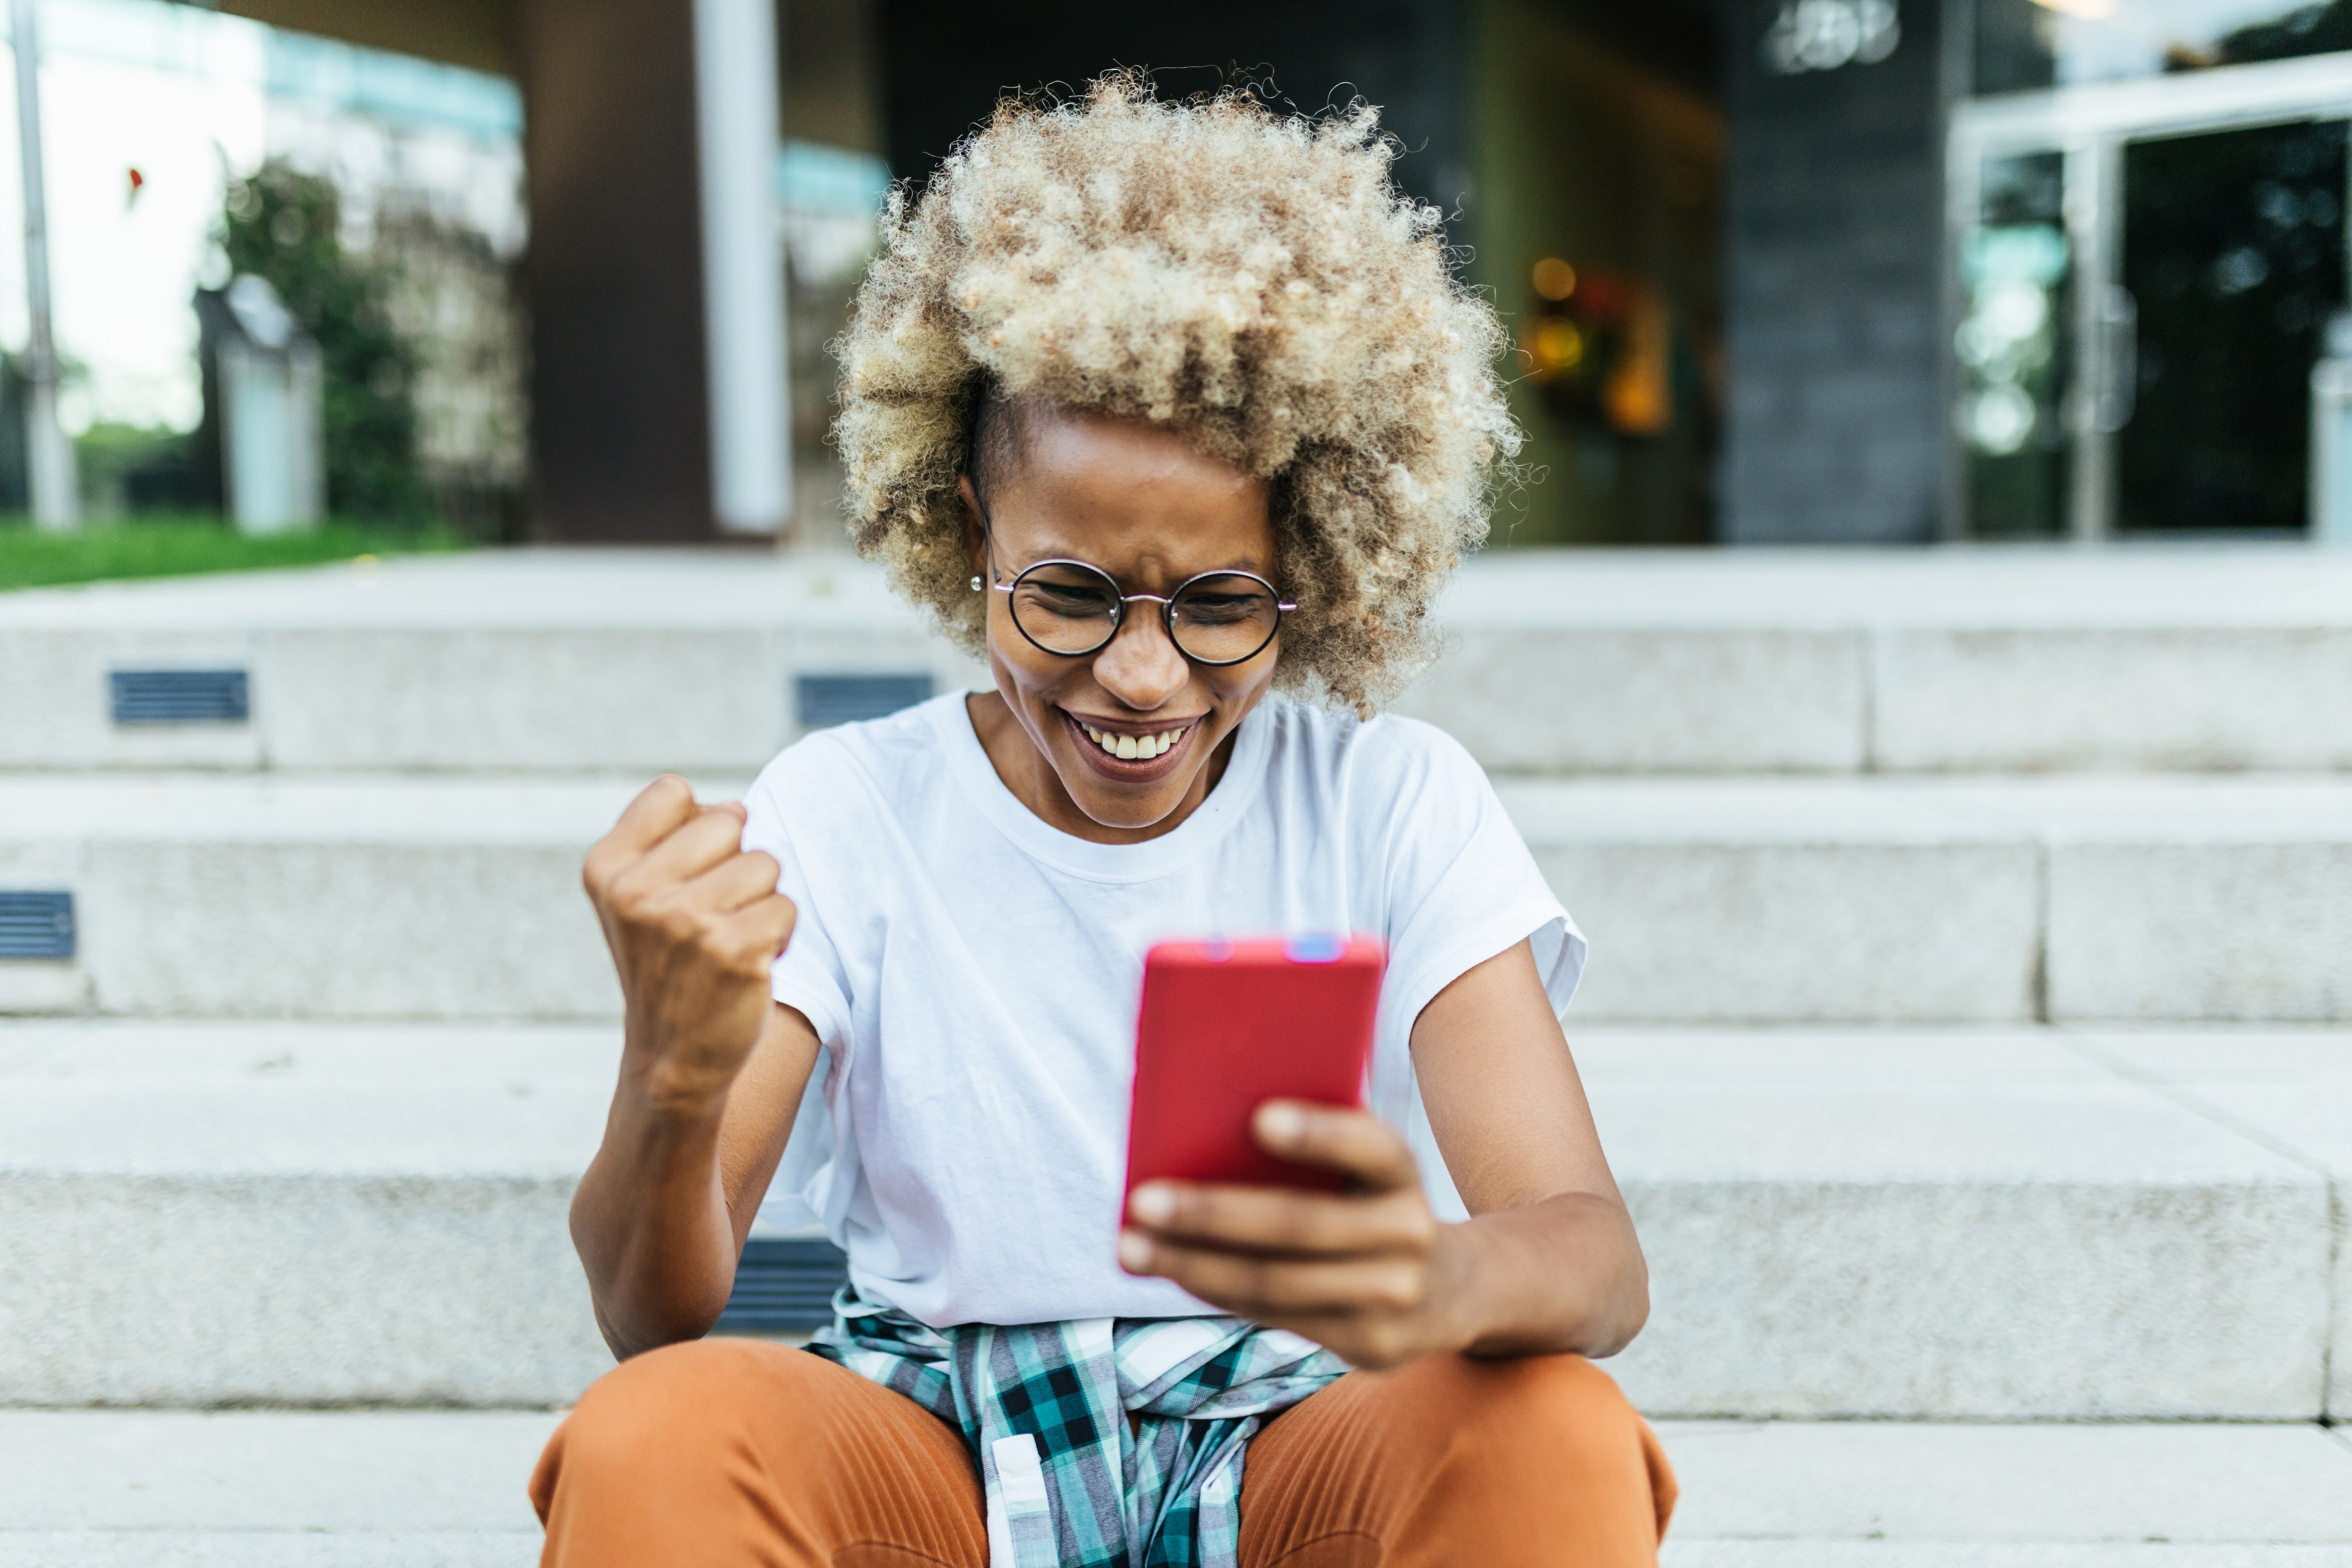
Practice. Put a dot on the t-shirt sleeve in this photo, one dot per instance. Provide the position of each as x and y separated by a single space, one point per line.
1459 881
809 976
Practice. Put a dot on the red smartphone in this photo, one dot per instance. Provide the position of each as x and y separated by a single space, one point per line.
1226 1027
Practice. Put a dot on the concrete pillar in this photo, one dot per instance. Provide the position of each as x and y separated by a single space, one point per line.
742 265
1834 218
50 478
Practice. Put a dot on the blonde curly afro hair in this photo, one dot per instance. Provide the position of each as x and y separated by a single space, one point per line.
1251 280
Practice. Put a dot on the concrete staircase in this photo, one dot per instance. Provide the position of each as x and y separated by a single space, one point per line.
1782 899
1985 1224
1967 1018
444 1490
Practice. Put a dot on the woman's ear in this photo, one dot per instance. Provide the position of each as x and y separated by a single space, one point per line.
975 536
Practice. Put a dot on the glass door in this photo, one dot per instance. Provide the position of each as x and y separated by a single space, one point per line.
2141 278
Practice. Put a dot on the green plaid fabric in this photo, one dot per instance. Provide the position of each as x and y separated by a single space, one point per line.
1043 1407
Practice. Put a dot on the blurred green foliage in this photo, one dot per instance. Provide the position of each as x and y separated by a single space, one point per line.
130 468
286 226
167 546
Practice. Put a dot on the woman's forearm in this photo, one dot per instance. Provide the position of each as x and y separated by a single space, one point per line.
695 924
650 1219
1565 1274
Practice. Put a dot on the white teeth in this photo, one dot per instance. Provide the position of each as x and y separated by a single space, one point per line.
1130 747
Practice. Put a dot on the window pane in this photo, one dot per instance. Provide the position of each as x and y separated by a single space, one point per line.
2015 352
2024 44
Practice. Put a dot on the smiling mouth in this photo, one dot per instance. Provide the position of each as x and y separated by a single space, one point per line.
1131 748
1120 754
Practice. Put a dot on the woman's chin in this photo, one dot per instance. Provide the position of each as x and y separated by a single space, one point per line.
1126 809
1113 796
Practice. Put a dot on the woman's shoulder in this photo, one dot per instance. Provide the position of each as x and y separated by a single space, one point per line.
871 761
1386 754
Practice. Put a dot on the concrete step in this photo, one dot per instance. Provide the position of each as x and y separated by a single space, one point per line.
1977 1224
318 898
1855 899
1897 900
1930 661
551 661
411 1490
1992 1225
1898 1495
285 1214
1588 661
374 1489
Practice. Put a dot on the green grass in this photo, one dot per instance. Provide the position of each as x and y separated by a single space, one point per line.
180 546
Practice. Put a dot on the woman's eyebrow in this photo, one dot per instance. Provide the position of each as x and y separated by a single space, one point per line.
1244 565
1248 564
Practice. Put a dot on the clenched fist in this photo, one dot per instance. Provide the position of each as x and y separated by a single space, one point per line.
694 922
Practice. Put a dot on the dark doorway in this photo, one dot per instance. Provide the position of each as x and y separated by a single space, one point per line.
2233 248
945 64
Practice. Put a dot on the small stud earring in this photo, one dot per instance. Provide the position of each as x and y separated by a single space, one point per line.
975 584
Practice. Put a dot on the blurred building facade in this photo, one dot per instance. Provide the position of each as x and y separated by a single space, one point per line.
379 195
1787 271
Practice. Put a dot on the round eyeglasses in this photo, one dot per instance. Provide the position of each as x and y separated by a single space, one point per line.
1072 609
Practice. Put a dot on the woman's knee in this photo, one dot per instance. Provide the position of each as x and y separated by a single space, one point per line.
1451 1450
672 1403
704 1446
1531 1394
1563 1404
1568 1418
1553 1394
1560 1414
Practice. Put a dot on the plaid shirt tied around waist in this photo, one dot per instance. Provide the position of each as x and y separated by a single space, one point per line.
1045 1407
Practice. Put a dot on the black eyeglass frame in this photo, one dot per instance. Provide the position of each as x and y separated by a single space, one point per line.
1119 601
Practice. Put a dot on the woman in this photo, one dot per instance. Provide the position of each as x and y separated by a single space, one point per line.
1175 412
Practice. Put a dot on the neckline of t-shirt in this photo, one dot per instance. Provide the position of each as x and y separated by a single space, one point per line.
1083 857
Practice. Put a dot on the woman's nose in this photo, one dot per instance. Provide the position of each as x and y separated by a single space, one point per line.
1141 665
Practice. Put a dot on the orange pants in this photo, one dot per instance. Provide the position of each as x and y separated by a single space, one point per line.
729 1452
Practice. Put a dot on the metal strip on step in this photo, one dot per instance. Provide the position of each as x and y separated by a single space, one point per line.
827 699
38 925
179 696
784 1286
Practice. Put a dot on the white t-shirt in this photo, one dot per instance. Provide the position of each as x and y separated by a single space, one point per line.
973 973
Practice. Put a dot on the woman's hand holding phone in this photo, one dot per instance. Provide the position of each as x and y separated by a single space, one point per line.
1369 1272
695 924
